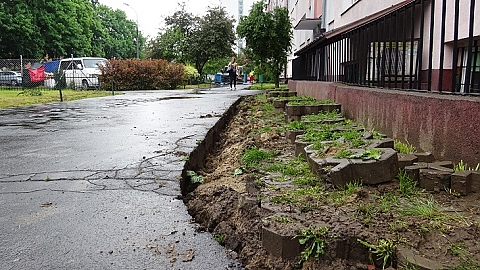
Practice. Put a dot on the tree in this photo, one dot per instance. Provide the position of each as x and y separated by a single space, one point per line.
168 45
195 40
59 28
268 37
19 34
213 38
116 34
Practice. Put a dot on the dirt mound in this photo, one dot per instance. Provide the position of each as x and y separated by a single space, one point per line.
262 214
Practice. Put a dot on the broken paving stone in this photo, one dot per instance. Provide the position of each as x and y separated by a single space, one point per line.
434 180
461 182
406 256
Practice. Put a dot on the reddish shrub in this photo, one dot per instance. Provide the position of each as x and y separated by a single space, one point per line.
135 74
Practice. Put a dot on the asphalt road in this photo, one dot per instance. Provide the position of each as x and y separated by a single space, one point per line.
93 184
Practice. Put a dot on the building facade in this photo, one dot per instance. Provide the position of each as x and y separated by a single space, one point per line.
390 63
409 44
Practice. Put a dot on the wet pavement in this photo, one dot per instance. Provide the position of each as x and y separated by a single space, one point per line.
93 184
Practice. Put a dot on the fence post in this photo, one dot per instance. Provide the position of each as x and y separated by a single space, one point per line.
21 69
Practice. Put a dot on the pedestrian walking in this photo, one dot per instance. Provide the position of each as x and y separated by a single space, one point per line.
232 71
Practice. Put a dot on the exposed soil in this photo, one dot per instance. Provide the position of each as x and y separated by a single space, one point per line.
237 208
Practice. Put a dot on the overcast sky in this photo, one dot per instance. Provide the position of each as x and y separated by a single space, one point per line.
151 14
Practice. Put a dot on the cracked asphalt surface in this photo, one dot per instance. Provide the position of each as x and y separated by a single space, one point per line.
94 183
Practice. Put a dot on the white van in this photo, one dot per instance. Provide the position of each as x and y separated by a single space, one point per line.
82 72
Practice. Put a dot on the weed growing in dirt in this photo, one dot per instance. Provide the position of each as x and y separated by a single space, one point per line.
220 238
407 185
322 116
344 153
296 125
385 249
282 219
404 147
408 266
461 166
310 102
428 210
315 239
387 202
369 154
367 212
195 178
253 156
295 167
459 250
470 265
340 196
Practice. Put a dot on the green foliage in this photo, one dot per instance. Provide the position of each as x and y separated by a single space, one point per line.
344 153
253 156
238 171
404 148
429 211
296 125
387 202
190 73
341 195
385 249
195 178
135 74
407 185
220 238
13 98
59 28
461 166
323 116
315 239
310 102
196 40
32 92
369 154
268 37
367 211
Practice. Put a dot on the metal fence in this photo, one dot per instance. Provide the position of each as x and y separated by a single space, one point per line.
420 45
46 74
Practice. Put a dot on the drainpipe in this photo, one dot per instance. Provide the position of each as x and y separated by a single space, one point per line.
324 14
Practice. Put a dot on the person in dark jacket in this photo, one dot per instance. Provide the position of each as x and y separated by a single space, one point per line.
232 72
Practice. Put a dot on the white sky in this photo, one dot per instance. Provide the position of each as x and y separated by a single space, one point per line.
151 13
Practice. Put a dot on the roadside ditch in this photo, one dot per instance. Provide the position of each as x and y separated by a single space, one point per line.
248 186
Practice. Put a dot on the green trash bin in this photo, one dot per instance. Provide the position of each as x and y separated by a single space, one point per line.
261 78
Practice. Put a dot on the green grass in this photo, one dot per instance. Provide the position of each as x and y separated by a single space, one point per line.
461 166
385 250
253 156
310 102
265 86
295 167
193 86
15 98
323 116
407 185
404 147
315 241
341 195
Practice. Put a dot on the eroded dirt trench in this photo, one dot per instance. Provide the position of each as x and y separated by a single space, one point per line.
260 214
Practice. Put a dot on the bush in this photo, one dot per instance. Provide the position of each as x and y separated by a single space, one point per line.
135 74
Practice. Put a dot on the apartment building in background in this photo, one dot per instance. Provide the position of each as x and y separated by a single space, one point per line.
408 68
408 44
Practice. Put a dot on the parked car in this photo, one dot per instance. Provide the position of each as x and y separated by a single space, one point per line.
82 72
10 78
